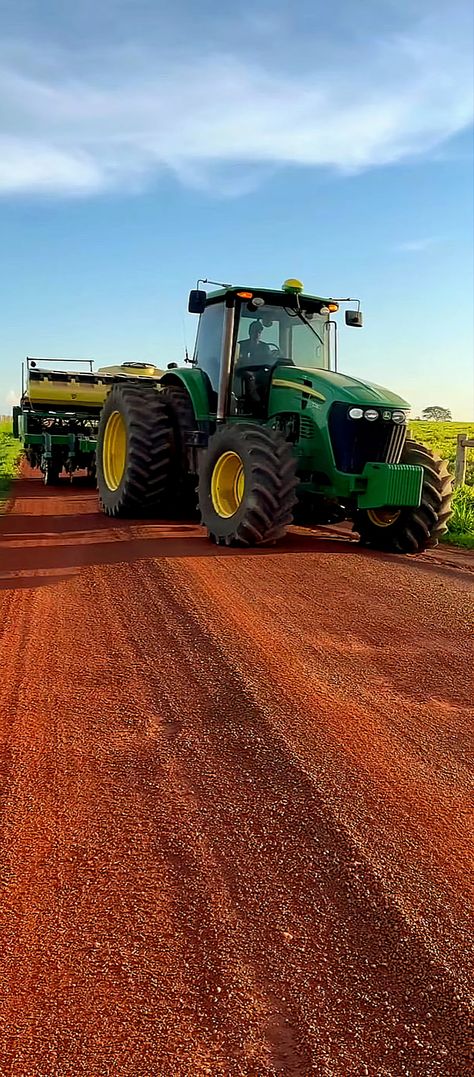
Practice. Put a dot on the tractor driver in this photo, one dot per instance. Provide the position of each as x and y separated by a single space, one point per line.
254 350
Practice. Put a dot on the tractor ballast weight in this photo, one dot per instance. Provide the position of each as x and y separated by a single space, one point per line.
265 425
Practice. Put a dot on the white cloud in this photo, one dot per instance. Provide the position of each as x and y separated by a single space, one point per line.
32 165
80 123
416 246
11 398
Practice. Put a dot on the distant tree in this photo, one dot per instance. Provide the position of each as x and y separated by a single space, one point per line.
436 415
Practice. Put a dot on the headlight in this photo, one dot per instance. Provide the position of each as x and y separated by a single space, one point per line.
398 416
355 413
371 414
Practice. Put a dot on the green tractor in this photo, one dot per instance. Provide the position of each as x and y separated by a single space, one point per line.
265 427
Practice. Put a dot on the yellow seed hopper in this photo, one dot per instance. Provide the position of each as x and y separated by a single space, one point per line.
74 389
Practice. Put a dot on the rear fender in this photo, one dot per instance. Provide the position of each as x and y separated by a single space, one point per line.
197 386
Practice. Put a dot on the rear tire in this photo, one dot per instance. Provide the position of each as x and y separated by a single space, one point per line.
182 496
247 484
133 469
412 530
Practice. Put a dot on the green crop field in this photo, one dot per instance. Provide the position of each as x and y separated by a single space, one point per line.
440 437
9 452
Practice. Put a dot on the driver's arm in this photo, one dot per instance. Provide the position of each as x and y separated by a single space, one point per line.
262 353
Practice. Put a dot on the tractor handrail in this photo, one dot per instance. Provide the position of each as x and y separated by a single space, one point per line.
33 359
59 359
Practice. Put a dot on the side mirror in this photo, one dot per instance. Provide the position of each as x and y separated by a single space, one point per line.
354 317
197 301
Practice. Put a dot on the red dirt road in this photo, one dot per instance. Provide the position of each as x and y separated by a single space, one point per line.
234 803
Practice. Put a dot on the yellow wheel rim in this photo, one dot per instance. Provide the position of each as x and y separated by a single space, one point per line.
383 517
227 484
114 450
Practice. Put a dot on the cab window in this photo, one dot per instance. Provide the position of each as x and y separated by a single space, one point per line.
207 353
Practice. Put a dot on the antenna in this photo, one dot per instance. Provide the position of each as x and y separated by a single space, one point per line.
186 352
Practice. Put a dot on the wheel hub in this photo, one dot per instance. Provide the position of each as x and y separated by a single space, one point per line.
227 484
383 517
114 452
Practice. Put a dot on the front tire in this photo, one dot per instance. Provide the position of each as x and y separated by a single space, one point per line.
411 530
134 451
247 484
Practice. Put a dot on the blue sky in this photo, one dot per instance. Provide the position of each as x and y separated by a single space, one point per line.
143 145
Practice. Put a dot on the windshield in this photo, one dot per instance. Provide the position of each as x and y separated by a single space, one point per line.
273 332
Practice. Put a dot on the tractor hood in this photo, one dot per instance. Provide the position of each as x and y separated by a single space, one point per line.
331 386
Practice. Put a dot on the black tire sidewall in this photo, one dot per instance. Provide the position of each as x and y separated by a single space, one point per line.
228 440
147 472
397 536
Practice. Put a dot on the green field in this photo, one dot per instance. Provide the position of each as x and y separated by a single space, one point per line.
440 437
9 452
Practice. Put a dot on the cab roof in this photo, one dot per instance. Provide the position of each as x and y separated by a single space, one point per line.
269 294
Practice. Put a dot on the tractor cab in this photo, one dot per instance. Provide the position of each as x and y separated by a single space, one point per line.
245 336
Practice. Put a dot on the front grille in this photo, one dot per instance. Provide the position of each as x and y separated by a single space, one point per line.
307 427
357 442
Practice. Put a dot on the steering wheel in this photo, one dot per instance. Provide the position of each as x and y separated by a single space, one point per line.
251 367
242 368
275 351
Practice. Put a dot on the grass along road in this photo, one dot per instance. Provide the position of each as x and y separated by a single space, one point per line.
9 453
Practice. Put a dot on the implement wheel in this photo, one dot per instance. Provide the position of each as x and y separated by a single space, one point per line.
411 530
134 449
247 483
51 472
